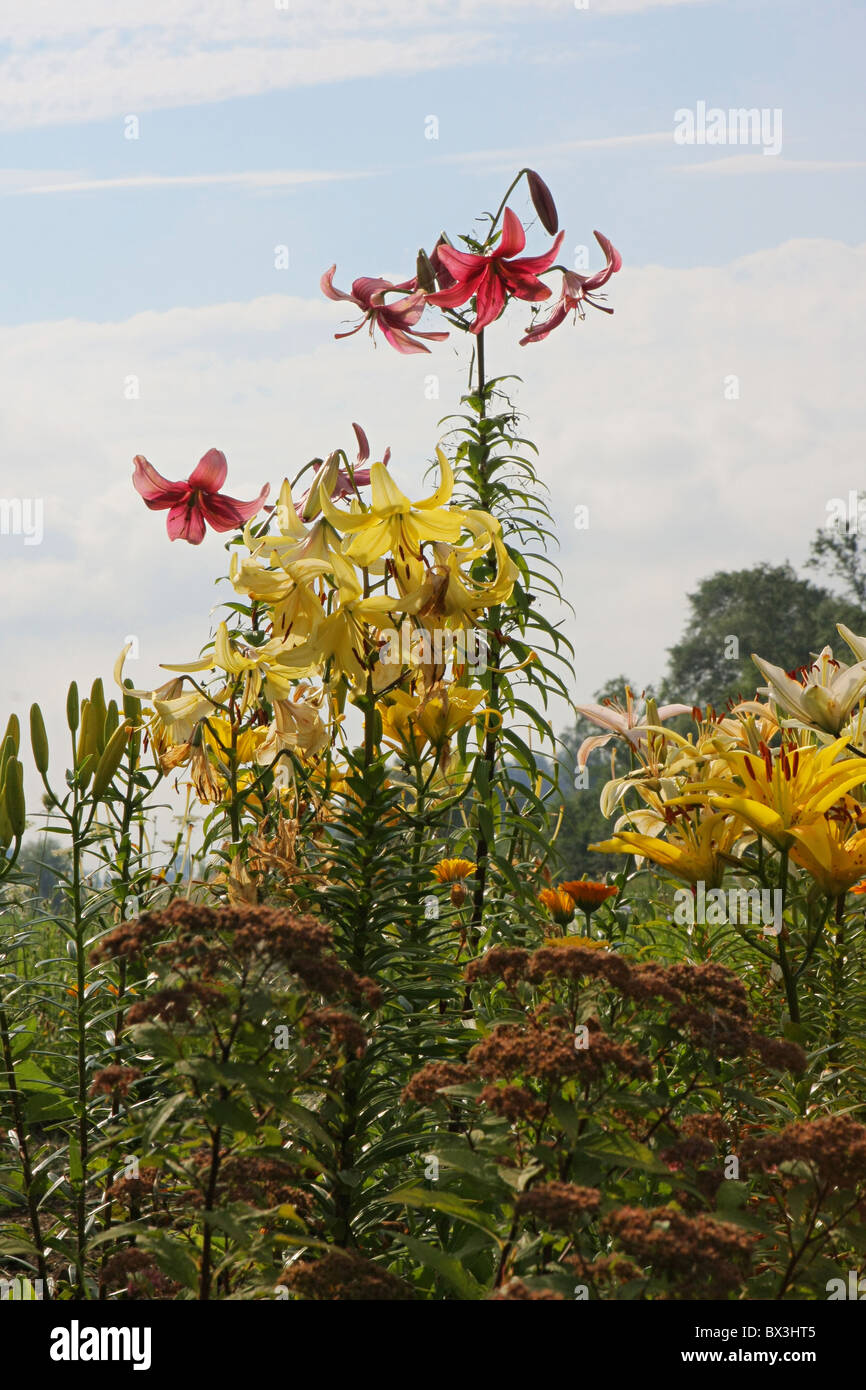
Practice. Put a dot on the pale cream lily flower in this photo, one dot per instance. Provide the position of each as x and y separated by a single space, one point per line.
825 696
630 723
177 711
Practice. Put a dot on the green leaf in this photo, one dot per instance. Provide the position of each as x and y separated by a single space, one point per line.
624 1152
222 1221
76 1171
732 1196
232 1115
449 1205
445 1265
172 1257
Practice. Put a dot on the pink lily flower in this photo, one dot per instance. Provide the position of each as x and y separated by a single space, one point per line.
492 278
396 321
577 290
196 500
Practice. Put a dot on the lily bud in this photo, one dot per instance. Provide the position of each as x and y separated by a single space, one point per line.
38 739
6 836
72 711
424 272
13 733
7 750
97 699
324 481
131 707
444 278
88 741
542 201
112 719
13 797
110 760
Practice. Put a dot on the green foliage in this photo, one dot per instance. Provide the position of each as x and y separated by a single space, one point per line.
765 609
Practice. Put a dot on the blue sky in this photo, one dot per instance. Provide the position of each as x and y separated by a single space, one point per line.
506 78
305 127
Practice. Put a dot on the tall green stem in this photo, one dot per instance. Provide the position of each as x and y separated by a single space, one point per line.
482 846
79 1181
23 1151
838 979
784 965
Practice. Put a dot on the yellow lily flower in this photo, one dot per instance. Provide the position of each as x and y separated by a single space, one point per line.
296 608
271 586
448 593
792 789
176 711
394 524
177 716
410 721
833 849
695 850
296 542
270 666
340 638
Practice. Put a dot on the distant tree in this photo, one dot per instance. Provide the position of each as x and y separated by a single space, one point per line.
43 861
767 609
838 549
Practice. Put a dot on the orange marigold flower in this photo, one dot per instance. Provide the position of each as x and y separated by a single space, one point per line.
588 894
559 905
453 870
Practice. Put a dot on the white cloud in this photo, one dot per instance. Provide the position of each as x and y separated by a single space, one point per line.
251 178
759 163
88 62
509 158
131 77
22 180
223 21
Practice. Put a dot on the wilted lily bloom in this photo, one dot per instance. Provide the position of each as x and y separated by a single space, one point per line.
197 500
494 277
578 290
396 320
